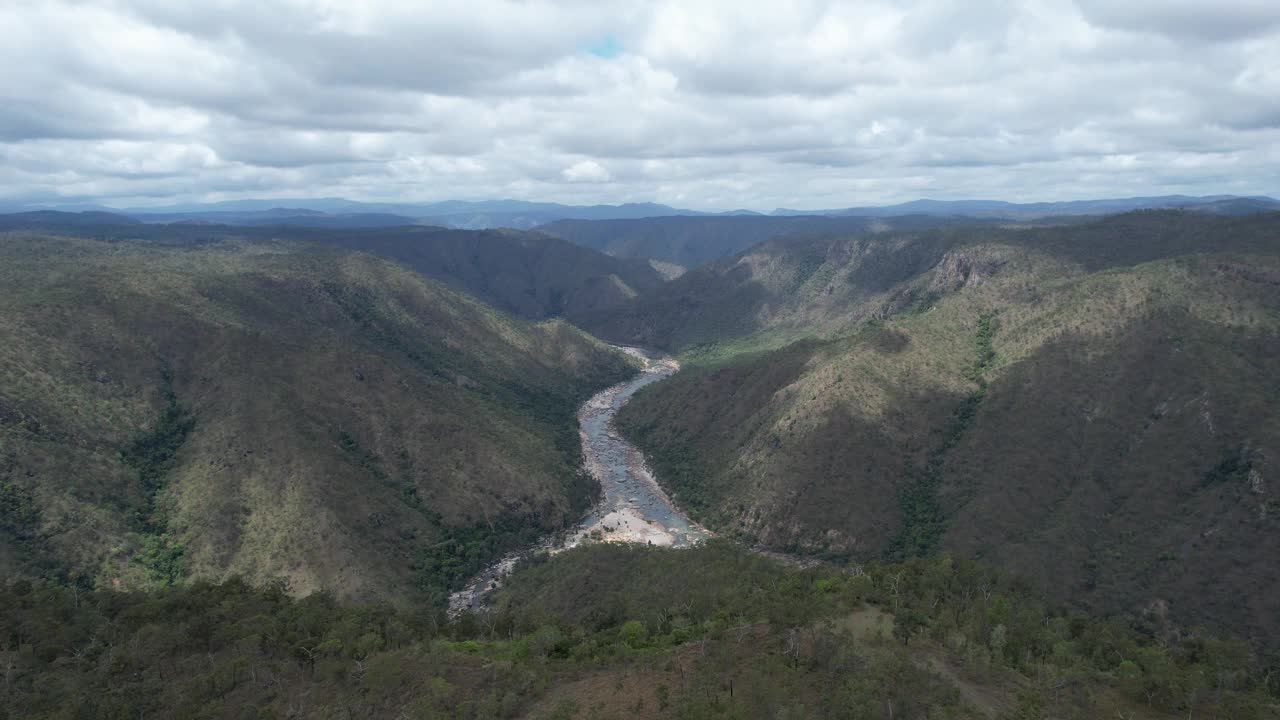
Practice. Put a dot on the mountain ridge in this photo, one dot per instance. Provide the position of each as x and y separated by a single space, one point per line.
1012 210
276 409
1049 400
530 274
524 215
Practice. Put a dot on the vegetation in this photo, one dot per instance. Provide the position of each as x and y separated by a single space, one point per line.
152 456
825 280
239 477
691 241
267 409
152 453
923 520
528 274
713 632
1091 407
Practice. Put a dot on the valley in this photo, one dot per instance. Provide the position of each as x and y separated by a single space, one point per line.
937 466
677 360
633 508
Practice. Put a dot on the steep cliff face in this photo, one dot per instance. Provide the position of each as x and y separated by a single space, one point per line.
963 270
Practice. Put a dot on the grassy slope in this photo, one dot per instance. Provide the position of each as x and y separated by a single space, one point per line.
348 424
1115 448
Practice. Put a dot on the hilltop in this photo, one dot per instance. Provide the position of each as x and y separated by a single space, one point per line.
689 242
528 274
1212 204
525 215
814 285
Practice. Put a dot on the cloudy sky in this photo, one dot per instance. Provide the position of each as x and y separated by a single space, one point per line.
697 104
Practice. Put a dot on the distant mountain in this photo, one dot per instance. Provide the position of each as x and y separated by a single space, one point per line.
490 220
478 215
524 215
689 242
491 215
582 212
300 217
1238 206
1001 209
57 218
324 205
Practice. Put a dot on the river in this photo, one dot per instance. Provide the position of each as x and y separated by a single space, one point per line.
632 507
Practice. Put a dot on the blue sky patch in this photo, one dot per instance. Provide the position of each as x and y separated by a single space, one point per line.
605 47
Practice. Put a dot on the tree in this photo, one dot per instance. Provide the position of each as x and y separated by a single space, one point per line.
999 638
907 623
633 633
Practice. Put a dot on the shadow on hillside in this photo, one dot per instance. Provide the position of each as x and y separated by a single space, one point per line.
1127 470
1147 235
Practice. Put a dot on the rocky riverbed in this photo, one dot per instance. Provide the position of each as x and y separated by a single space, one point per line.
632 508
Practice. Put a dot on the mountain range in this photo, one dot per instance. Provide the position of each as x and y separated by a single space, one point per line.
1217 204
524 215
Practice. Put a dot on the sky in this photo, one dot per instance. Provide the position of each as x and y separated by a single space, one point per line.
704 105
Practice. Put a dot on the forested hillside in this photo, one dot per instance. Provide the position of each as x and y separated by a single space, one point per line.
690 242
819 285
1093 408
524 273
609 631
1033 468
528 274
275 410
613 360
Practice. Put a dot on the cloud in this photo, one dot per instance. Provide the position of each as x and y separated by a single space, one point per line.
705 104
1187 19
586 171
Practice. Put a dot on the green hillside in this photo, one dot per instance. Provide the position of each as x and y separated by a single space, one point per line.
528 274
688 242
274 410
612 632
1014 472
1092 407
822 285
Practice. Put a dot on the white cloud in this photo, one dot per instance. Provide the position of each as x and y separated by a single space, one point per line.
704 104
586 171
